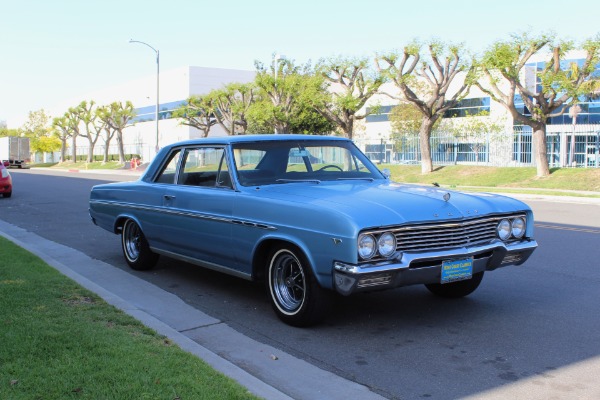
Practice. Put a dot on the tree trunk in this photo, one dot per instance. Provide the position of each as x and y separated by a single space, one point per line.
74 148
105 158
120 146
349 128
90 157
424 141
63 149
541 157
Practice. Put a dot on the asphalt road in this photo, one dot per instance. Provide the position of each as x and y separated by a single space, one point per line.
523 323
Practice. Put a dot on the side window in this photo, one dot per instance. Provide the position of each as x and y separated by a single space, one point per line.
200 166
168 173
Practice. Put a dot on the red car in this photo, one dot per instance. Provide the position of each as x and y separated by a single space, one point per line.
5 181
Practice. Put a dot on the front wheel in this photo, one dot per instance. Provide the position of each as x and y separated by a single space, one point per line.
135 247
456 289
296 296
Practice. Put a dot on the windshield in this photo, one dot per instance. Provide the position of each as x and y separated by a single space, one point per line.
265 163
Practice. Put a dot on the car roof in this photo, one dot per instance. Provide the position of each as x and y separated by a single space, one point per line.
224 140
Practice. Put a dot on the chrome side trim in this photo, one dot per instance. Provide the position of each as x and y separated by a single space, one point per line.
191 214
204 264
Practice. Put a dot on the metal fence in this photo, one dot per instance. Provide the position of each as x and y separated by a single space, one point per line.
567 146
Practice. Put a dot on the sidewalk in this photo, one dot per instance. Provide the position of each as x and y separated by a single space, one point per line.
263 370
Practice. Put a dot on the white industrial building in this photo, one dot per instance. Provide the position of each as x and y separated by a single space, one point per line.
175 87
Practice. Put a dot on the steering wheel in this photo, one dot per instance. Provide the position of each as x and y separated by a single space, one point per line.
330 166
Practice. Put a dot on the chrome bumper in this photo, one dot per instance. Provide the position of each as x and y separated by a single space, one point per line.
423 268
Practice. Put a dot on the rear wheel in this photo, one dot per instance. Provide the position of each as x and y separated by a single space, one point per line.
296 296
456 289
135 247
7 194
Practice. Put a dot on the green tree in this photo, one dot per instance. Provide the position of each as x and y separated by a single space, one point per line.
61 129
4 131
197 112
405 121
424 80
231 105
553 90
38 128
48 144
478 130
116 117
279 90
73 120
347 85
92 125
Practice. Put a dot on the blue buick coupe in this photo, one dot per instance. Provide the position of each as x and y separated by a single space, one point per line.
309 216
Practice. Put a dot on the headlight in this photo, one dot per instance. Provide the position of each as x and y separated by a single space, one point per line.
518 227
386 244
366 246
504 229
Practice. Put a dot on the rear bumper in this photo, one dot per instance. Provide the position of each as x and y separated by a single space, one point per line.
424 268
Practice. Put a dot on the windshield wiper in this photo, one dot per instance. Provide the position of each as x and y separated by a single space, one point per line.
297 180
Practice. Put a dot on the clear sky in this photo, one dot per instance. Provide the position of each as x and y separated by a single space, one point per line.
51 51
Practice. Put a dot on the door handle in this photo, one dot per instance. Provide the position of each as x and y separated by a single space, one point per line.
169 197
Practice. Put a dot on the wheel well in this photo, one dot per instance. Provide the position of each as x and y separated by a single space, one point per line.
119 224
259 263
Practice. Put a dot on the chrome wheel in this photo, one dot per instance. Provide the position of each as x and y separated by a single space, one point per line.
131 240
296 296
288 282
135 247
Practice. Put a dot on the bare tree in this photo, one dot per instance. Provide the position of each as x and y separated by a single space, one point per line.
92 125
73 119
117 116
281 84
197 112
424 81
231 106
63 131
551 93
348 85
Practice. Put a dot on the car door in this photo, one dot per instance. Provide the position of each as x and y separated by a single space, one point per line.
198 208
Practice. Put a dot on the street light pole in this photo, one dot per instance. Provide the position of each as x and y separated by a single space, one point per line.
276 60
157 85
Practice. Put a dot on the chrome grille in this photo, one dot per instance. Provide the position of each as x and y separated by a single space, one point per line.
435 236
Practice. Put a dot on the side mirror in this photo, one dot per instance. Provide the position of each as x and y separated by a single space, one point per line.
386 172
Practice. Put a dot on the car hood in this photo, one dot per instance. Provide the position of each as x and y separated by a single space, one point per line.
383 204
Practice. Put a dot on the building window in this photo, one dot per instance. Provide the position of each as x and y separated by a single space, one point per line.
145 114
464 108
469 107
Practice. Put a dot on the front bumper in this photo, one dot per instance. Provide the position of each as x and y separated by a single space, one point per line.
424 268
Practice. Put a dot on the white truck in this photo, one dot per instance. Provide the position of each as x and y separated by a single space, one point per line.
14 150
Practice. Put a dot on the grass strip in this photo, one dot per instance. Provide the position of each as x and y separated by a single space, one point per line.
580 179
61 341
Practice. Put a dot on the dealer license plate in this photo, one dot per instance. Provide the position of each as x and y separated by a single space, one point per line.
457 270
